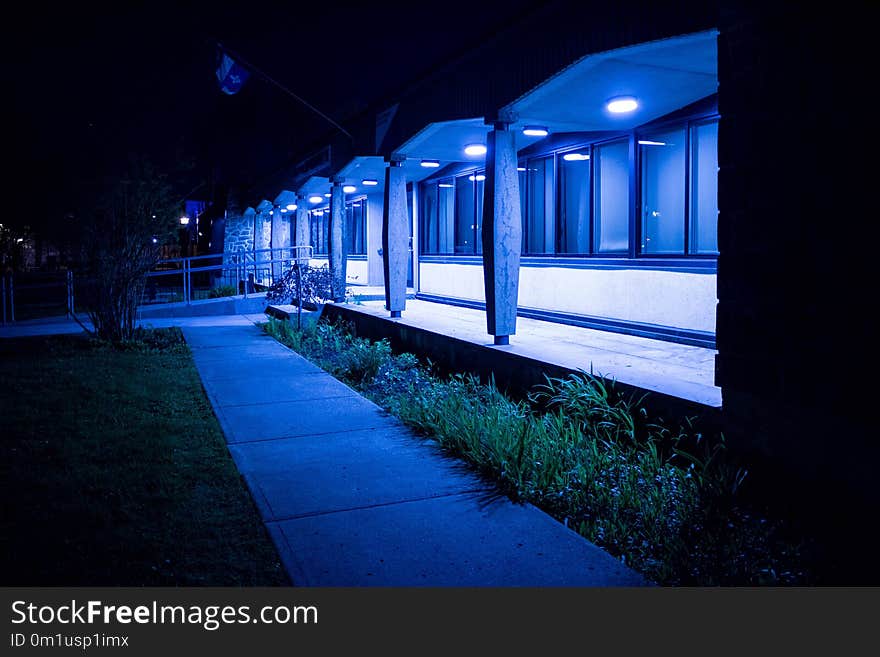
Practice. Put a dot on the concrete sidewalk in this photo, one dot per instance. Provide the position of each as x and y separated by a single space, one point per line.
352 498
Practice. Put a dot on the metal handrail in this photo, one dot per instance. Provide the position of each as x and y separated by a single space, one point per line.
244 262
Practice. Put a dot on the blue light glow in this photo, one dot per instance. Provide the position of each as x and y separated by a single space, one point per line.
622 105
535 131
475 149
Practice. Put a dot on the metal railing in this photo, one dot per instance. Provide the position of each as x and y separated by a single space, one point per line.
246 271
36 294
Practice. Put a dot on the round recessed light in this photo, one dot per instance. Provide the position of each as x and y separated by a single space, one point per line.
478 178
445 185
348 189
283 210
535 131
475 149
315 198
327 195
291 206
184 221
370 182
575 157
622 105
520 168
430 164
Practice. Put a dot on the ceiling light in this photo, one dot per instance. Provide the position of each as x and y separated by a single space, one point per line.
371 182
475 149
430 164
283 209
348 189
622 105
184 221
355 205
291 206
328 195
648 142
575 157
445 185
520 168
315 198
535 131
479 178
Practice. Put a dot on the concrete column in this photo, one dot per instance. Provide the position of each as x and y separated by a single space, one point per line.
502 234
301 230
337 240
263 240
280 240
395 238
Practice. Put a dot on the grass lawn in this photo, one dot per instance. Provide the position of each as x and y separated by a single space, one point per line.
114 471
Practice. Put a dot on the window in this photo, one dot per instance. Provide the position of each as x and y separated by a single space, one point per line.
469 190
540 217
319 229
611 197
437 218
574 203
465 217
679 189
704 188
355 227
663 191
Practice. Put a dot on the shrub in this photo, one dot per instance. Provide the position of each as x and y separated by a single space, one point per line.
315 282
222 291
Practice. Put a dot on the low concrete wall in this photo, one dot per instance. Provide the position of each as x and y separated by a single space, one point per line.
512 372
666 298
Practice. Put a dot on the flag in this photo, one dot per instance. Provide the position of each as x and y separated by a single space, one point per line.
230 74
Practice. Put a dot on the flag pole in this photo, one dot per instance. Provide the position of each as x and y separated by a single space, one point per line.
280 86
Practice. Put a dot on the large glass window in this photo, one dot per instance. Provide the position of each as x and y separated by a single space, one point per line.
437 232
663 157
574 202
356 227
319 219
540 223
429 235
611 197
704 188
465 217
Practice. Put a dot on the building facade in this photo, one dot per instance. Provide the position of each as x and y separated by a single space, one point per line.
647 169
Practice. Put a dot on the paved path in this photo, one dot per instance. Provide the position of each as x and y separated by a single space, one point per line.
352 498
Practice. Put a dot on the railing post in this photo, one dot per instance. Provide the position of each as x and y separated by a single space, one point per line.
187 281
70 310
11 297
3 294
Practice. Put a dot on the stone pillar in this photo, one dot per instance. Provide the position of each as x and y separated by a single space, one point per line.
337 240
280 241
502 234
395 237
262 240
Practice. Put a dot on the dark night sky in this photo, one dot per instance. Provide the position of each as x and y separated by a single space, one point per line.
91 84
